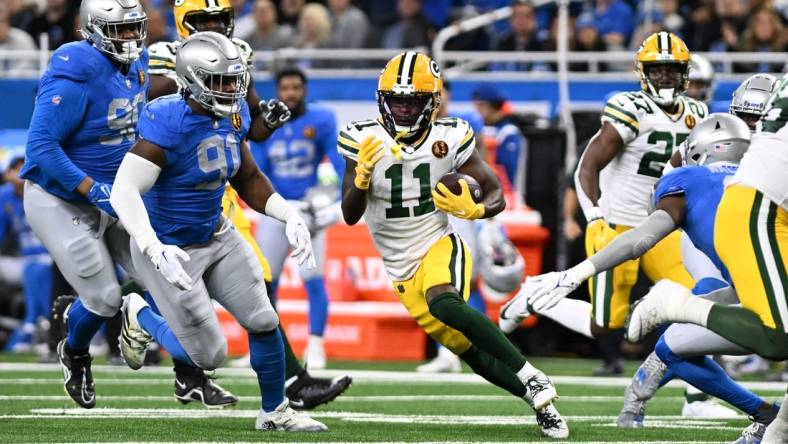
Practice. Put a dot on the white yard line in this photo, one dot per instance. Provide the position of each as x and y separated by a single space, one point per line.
398 377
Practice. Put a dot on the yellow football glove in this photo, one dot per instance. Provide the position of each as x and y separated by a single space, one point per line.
370 151
458 205
598 235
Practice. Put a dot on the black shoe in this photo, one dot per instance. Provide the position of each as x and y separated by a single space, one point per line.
610 369
203 389
57 317
306 392
77 378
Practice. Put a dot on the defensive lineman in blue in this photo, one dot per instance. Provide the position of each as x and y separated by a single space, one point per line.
685 198
84 122
290 158
185 251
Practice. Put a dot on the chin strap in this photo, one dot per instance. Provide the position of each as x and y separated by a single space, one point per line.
396 149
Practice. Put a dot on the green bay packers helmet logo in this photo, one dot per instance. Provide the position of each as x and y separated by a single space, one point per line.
235 119
178 2
440 149
434 69
690 121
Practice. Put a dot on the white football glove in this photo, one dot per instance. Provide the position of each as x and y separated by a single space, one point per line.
546 290
328 216
297 233
167 260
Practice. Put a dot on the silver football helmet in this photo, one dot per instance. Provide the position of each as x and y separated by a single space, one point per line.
210 67
701 79
751 97
116 27
501 265
719 138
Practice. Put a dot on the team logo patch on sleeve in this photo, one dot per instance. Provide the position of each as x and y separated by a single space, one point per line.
690 121
440 149
235 119
309 132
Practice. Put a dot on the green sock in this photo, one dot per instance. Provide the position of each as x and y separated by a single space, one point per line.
292 364
478 328
131 287
493 370
743 327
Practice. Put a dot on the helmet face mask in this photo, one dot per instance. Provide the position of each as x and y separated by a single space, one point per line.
211 69
751 98
115 27
222 22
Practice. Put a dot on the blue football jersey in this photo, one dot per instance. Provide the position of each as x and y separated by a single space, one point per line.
202 153
13 221
702 188
84 120
291 155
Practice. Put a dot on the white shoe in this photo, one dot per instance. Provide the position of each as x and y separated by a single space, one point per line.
315 354
652 310
707 409
445 362
242 362
551 423
285 419
513 312
133 338
539 391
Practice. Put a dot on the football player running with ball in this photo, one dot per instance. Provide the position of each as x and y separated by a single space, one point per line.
186 252
393 165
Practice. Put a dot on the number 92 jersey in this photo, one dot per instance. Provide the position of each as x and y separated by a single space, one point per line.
401 215
201 154
650 137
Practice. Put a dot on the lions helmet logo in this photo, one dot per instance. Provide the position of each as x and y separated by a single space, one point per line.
440 149
309 132
141 76
690 121
235 119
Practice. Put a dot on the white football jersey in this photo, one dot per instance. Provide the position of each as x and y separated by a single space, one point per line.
162 57
401 215
650 137
765 165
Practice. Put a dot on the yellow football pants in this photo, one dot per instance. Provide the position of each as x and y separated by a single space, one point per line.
448 261
231 207
751 238
610 291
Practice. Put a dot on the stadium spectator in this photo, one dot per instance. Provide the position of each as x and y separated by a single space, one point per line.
474 40
764 33
59 20
701 28
615 22
411 30
586 39
437 12
290 12
15 39
244 19
21 12
522 37
349 25
378 12
269 34
314 27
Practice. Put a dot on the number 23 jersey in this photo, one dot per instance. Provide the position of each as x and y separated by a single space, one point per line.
650 137
401 215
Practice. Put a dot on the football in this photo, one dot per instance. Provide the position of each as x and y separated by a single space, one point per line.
452 182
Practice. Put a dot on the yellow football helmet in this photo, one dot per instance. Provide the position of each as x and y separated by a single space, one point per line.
409 94
663 62
190 13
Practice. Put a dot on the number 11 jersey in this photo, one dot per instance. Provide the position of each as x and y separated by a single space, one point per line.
401 216
650 137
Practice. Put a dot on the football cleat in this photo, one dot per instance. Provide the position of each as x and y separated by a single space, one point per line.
133 339
77 377
59 315
752 434
202 388
445 362
539 391
663 302
285 419
642 388
551 423
707 409
306 392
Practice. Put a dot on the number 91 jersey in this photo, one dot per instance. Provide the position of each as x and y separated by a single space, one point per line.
401 215
650 137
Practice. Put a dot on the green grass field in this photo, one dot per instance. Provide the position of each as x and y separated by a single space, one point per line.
387 403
